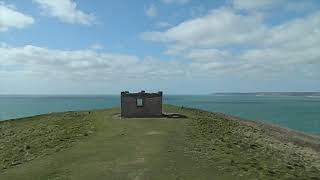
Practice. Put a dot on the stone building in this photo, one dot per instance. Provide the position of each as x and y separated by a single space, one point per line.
141 104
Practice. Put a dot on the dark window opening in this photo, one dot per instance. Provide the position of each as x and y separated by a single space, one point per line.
139 102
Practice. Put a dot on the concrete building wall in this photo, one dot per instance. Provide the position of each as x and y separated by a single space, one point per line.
152 104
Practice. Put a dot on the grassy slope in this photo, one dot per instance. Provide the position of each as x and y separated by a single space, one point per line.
98 145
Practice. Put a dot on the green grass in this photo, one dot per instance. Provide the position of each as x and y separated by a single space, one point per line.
100 145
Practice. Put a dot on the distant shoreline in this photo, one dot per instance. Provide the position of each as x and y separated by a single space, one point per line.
264 124
305 94
275 109
310 94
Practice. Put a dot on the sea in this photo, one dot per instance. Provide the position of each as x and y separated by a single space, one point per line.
300 113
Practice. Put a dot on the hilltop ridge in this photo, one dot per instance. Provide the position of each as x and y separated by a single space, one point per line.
200 145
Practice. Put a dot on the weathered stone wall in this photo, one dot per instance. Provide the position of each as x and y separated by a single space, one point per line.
152 104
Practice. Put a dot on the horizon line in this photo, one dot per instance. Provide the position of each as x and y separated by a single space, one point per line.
113 94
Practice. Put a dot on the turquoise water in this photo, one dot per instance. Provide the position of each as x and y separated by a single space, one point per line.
300 113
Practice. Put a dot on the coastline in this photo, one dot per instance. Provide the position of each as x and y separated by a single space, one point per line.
298 113
281 133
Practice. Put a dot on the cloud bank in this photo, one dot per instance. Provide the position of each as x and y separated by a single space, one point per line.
80 65
234 42
11 18
66 11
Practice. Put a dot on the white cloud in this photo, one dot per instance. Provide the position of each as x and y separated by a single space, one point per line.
66 11
175 1
207 55
32 61
224 27
234 43
11 18
151 11
220 27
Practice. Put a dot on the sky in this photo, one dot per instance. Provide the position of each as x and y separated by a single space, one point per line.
176 46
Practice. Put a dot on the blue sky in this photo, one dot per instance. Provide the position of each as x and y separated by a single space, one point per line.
178 46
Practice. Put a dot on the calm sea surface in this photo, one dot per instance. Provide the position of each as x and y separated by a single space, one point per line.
300 113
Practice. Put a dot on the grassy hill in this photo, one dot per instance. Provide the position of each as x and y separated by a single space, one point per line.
101 145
